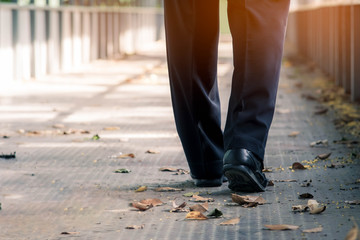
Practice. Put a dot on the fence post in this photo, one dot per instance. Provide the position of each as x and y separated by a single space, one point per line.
94 35
66 41
6 50
22 44
53 58
76 38
85 38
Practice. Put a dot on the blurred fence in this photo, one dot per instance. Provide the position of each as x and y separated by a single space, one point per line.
39 38
328 33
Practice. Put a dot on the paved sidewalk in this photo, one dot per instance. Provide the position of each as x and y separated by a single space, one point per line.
65 183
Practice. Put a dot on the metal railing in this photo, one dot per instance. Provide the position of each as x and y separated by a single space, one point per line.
328 33
41 39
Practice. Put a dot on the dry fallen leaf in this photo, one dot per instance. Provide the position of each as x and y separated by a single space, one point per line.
353 202
315 208
135 227
294 134
319 142
168 189
168 169
353 234
300 208
313 230
298 166
271 183
58 126
154 201
178 171
267 170
111 128
200 207
282 227
151 151
323 156
285 180
283 110
69 233
141 189
196 216
126 155
178 208
233 221
305 196
190 194
142 206
248 201
197 198
321 111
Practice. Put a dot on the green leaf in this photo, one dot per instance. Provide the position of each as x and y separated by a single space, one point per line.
190 194
95 137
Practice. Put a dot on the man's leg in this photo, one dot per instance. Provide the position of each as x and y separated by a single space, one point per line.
192 32
258 29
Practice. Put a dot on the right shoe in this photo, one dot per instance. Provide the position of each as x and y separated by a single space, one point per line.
244 171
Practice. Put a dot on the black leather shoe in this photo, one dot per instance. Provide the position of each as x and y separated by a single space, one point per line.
217 182
244 171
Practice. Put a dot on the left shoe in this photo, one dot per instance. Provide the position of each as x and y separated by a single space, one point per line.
217 182
244 171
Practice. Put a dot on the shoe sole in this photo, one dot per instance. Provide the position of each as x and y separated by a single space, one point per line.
242 179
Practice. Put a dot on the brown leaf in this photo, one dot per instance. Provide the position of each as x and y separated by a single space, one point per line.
233 221
300 208
168 189
154 201
305 196
200 207
314 207
151 151
197 198
353 234
294 134
298 166
321 111
324 156
353 202
178 171
286 180
267 170
126 155
111 128
142 206
248 201
178 208
141 189
283 110
58 126
319 142
313 230
69 233
135 227
282 227
168 169
196 216
271 183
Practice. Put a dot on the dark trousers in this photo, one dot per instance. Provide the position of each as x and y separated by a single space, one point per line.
192 33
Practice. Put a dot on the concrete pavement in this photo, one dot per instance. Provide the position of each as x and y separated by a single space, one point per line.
62 183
